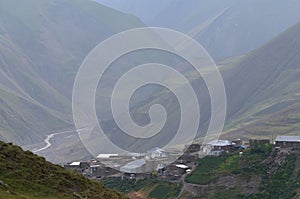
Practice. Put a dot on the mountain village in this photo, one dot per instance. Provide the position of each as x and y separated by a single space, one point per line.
151 164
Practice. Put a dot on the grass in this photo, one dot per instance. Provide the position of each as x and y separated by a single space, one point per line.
210 168
152 188
25 175
124 186
161 191
282 184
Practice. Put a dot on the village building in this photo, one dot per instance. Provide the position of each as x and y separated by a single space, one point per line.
77 165
101 170
237 142
225 145
182 168
174 171
153 165
107 156
156 153
288 141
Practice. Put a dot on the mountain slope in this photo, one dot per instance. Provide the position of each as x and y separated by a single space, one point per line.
25 175
42 44
233 27
28 103
265 84
262 89
145 10
248 25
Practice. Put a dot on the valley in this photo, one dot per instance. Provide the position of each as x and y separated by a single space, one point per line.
255 45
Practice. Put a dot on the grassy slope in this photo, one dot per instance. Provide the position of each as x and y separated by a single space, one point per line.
28 103
210 168
150 188
249 176
263 89
25 175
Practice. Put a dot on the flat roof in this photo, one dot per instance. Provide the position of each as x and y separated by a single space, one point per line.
286 138
182 166
75 164
107 155
95 166
220 143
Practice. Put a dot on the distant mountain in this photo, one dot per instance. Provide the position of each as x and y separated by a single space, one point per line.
42 44
247 25
25 175
232 27
263 85
145 10
263 89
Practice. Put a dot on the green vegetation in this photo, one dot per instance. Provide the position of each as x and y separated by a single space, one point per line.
25 175
163 191
152 188
282 184
265 173
210 168
124 186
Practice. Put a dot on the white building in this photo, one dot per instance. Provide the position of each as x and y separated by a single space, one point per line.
287 141
75 164
217 145
156 153
106 156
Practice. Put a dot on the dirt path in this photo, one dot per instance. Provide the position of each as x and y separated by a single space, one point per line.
136 195
48 139
51 136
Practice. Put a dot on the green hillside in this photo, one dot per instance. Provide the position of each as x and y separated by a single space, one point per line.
257 173
148 188
25 175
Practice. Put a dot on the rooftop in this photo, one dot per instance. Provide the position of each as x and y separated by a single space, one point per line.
220 143
75 164
106 156
284 138
95 166
182 166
